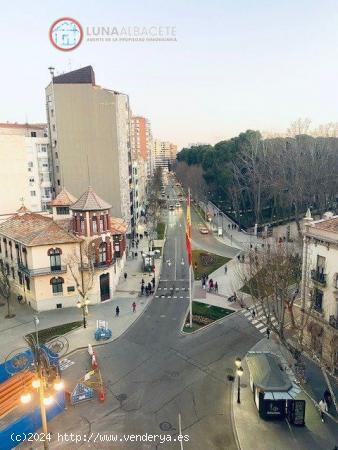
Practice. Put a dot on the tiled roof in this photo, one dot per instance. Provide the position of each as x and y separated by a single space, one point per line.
90 201
327 224
118 226
64 198
85 75
34 229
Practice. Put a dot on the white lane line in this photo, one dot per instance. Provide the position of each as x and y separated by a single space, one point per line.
156 296
181 296
165 289
159 288
174 296
177 289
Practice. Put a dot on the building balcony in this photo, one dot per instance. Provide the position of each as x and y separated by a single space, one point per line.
333 321
42 271
318 277
97 265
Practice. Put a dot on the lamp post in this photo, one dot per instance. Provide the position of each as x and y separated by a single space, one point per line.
83 304
239 371
45 378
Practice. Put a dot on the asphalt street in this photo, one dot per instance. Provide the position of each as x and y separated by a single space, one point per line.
153 373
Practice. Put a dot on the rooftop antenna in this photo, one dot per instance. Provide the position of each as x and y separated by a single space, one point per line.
89 184
51 71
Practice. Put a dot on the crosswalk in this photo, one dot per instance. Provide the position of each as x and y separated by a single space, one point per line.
258 319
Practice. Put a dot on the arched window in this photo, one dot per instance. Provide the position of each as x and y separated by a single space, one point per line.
55 259
57 285
103 253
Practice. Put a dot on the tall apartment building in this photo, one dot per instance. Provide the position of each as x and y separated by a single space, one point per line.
90 139
24 170
142 142
164 153
320 288
142 156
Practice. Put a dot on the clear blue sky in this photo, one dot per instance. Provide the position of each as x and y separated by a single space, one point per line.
236 64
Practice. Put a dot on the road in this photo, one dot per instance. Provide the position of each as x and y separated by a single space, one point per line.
153 372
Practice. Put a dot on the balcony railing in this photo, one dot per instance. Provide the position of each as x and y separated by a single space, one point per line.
333 321
42 271
97 265
318 277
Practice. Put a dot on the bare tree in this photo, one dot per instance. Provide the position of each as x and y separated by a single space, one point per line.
299 126
82 268
6 288
153 204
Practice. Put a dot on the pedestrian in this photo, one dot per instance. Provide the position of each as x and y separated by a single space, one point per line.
239 257
253 313
229 226
153 282
225 269
268 333
134 306
149 288
323 408
243 258
216 287
117 311
125 275
328 398
142 289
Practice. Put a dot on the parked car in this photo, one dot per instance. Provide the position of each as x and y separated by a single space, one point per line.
203 230
171 207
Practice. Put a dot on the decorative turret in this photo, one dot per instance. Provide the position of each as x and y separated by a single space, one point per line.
91 215
61 205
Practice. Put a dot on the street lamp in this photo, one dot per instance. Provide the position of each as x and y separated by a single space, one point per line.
45 378
83 304
239 371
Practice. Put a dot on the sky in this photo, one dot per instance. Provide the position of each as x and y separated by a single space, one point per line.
236 65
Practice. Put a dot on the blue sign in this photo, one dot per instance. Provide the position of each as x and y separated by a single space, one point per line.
81 393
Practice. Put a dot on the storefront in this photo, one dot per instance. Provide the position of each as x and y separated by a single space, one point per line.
274 394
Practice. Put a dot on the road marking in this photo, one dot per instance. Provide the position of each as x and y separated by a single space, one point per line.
187 296
156 296
159 288
165 288
181 296
65 363
174 296
177 289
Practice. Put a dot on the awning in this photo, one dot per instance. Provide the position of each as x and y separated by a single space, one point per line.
315 329
277 396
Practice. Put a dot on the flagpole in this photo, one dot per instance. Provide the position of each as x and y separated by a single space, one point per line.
190 275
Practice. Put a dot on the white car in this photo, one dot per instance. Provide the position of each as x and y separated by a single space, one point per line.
203 230
178 205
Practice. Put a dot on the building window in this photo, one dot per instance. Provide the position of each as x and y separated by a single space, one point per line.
6 249
13 273
103 253
56 155
10 250
318 300
94 222
33 133
58 181
62 210
52 113
30 164
82 227
7 268
102 227
71 289
54 127
28 283
31 180
20 277
55 259
24 251
1 249
57 285
33 193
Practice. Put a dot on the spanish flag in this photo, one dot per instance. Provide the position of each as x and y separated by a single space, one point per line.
188 231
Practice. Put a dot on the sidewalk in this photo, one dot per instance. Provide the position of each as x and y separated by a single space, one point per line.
14 330
254 432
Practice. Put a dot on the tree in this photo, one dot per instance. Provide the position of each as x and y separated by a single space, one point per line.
272 277
6 289
154 204
82 268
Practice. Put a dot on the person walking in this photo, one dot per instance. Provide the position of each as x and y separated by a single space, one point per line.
117 311
149 288
134 306
328 398
225 269
268 333
125 275
153 282
142 289
216 287
253 313
322 408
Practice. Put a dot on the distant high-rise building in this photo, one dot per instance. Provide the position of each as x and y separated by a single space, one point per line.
142 141
24 170
164 153
90 139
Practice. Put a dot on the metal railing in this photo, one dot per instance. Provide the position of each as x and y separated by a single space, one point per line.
319 277
42 270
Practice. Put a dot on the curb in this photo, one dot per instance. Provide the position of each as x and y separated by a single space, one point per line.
183 333
112 340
